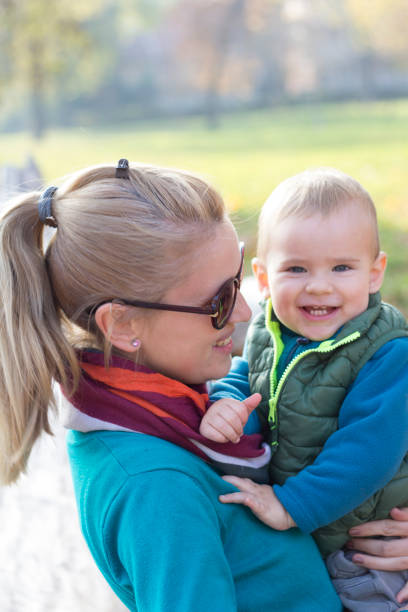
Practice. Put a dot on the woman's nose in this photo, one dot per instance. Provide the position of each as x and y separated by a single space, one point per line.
242 311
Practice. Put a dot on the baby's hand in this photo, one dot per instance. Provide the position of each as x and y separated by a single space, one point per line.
261 499
225 420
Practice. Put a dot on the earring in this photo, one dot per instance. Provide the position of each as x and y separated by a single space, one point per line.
135 343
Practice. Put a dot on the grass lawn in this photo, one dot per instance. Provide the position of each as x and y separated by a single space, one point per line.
251 152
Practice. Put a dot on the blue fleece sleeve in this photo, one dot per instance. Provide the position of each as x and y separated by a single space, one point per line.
365 452
236 385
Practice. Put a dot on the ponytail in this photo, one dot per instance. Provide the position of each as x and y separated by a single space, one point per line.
33 348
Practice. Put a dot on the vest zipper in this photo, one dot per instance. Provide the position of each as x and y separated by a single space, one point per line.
325 347
299 342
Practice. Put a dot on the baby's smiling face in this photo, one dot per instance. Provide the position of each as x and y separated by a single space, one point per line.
320 270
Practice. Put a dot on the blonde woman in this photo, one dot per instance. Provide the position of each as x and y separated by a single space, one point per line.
130 309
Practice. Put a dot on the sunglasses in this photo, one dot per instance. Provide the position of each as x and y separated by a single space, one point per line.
219 308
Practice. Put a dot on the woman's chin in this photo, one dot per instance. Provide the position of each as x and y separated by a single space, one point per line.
222 368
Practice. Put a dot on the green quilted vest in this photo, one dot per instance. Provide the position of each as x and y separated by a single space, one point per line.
299 412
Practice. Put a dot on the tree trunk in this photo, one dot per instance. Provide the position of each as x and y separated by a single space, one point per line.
221 42
36 77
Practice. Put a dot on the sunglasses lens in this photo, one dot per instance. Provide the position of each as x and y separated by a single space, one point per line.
226 303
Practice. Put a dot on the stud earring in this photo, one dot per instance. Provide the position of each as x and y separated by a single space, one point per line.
135 343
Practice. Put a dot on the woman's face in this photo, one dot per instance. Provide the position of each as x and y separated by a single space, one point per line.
186 346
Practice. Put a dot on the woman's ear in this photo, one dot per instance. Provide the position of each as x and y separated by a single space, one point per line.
120 333
261 275
377 272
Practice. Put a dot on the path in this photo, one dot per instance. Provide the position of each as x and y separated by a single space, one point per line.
44 563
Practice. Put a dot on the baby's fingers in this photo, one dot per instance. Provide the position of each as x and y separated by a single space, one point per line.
243 498
230 416
243 484
211 433
250 493
233 498
250 404
215 427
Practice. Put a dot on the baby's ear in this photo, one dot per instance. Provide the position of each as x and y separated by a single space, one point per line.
261 274
377 272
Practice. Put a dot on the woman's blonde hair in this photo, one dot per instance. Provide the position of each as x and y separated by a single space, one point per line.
126 238
319 191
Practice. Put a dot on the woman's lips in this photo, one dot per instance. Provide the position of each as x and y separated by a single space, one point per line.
224 345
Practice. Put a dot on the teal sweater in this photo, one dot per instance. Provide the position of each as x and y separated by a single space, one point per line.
150 514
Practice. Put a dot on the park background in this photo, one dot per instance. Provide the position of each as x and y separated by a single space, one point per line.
245 92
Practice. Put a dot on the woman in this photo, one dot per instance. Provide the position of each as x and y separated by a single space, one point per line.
142 277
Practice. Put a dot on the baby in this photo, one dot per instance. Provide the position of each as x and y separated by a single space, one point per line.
330 361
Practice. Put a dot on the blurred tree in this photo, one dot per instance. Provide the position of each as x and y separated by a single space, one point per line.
341 48
69 61
379 30
39 39
381 25
224 42
226 18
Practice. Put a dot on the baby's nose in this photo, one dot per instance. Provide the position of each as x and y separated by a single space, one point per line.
318 286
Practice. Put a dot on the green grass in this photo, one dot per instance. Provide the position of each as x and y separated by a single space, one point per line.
251 152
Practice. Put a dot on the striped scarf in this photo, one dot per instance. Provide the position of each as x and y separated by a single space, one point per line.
135 398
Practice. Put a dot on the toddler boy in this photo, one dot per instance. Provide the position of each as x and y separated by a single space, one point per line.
330 361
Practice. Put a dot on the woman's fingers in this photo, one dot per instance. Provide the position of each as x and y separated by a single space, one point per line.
397 547
386 527
382 553
396 526
399 514
381 563
403 595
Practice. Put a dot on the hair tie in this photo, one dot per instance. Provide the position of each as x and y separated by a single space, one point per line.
122 169
45 207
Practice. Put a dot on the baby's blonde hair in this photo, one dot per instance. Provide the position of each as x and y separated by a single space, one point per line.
116 238
319 191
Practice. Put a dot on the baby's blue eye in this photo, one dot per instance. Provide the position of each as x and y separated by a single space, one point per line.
296 269
341 268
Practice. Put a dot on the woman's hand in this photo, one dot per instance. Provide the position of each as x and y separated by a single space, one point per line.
383 554
261 499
